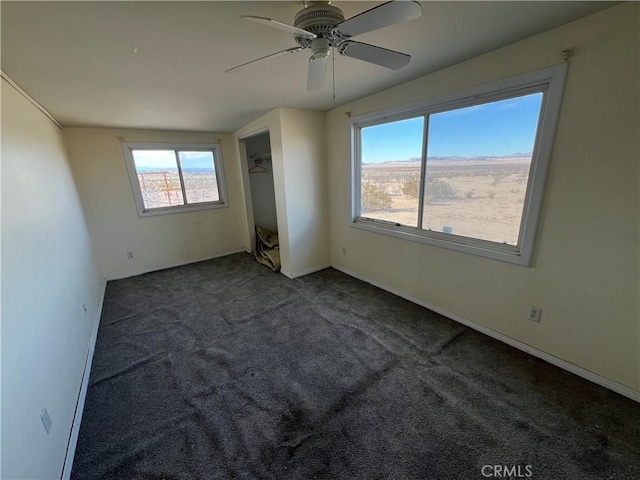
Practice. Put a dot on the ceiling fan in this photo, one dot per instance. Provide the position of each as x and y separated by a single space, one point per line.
321 26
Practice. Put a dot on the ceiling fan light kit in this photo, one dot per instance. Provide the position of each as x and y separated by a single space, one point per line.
321 27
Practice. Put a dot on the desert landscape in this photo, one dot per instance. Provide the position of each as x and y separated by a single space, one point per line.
473 197
161 188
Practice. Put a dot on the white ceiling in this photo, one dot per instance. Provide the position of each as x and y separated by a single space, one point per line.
160 65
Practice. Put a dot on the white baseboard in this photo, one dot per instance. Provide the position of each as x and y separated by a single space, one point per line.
558 362
77 417
570 367
286 273
307 271
177 264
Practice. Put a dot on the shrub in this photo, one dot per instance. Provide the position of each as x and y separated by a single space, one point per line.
498 177
375 197
438 190
469 194
411 187
491 195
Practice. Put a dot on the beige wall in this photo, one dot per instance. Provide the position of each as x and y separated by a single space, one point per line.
159 241
299 172
268 123
305 188
48 273
586 260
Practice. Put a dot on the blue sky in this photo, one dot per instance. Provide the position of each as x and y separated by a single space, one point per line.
493 129
166 159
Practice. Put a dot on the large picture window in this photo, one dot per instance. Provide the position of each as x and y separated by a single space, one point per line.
175 178
465 171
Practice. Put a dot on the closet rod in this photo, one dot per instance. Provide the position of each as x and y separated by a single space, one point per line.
261 156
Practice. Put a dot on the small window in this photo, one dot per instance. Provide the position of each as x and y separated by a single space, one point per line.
175 178
465 171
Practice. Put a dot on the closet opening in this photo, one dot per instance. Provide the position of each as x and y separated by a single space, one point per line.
262 200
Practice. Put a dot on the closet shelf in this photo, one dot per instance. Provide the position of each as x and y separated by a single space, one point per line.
265 157
259 160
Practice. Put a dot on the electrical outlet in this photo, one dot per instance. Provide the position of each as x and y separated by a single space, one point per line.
130 255
535 313
46 420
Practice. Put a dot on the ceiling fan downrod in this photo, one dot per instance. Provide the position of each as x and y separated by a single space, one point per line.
321 26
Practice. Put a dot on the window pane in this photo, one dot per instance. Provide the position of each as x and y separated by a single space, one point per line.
478 162
199 175
391 157
158 178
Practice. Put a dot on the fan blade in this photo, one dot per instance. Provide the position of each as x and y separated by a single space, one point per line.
381 16
279 25
372 54
288 50
316 74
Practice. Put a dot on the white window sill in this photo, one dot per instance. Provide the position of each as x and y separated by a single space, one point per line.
496 251
152 212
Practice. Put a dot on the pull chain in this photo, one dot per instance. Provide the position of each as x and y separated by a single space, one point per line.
333 70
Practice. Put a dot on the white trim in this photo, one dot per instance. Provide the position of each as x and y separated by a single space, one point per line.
77 418
471 95
445 240
178 264
549 81
30 98
308 271
214 148
84 385
258 132
547 357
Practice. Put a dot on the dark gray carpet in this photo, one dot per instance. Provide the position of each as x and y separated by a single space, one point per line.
224 369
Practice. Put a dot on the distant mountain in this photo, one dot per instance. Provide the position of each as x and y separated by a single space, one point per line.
457 158
198 170
142 169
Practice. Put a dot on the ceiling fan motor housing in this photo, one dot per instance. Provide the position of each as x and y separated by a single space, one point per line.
322 27
318 18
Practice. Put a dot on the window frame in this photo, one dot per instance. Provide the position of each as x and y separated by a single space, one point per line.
549 80
214 148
